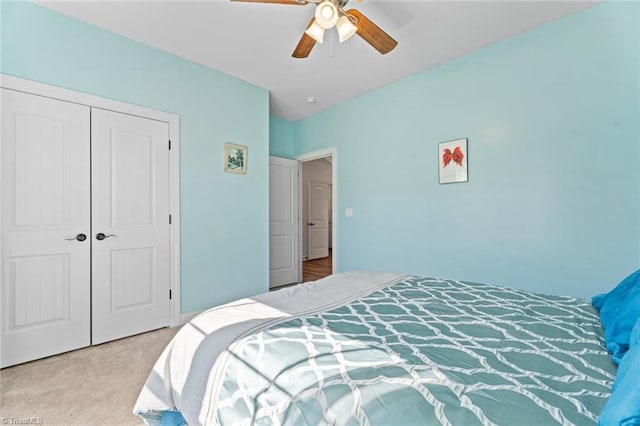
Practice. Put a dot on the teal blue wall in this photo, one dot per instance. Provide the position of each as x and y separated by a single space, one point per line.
281 137
553 200
224 216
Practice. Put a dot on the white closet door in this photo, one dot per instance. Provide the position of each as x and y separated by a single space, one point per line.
318 225
45 269
130 207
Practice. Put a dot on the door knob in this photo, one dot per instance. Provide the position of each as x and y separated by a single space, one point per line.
310 224
100 236
79 237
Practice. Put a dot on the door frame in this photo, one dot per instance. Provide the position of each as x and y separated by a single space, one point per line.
331 152
67 95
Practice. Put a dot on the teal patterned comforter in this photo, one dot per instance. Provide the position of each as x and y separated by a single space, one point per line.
422 351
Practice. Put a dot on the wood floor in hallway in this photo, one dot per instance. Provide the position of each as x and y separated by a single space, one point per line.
318 268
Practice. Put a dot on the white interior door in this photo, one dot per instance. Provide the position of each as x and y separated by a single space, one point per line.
130 229
284 257
45 269
318 220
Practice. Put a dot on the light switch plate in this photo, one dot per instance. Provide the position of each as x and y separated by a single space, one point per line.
348 212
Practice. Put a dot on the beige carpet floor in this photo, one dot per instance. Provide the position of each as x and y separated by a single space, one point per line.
93 386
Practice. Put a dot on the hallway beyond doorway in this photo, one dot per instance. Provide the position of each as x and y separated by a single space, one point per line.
319 268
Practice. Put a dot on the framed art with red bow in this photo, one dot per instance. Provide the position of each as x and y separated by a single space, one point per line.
453 159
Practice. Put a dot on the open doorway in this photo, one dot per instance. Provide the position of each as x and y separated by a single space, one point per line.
317 215
316 219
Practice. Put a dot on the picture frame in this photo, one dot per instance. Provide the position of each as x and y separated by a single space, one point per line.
453 161
235 158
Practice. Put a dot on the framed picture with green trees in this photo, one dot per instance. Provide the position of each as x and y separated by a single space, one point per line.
235 158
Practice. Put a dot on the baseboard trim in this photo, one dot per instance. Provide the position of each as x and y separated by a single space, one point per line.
185 318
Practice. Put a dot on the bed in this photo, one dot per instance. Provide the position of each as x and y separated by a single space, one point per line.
384 349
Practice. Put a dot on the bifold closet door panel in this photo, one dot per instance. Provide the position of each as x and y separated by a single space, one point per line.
130 214
45 220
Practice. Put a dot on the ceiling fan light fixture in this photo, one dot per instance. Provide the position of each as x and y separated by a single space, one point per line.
326 14
345 28
316 32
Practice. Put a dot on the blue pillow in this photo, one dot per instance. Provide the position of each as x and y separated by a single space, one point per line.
607 303
617 333
619 311
623 406
634 340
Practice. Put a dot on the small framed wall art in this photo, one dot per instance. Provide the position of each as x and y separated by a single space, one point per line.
453 161
235 158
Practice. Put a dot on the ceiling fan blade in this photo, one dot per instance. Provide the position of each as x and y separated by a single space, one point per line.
305 44
294 2
373 34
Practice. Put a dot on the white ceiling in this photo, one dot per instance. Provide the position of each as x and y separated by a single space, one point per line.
254 41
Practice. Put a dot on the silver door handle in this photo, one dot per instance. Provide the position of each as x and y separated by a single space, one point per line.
100 236
79 237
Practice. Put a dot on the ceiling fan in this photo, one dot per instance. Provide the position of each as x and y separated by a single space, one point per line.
329 14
